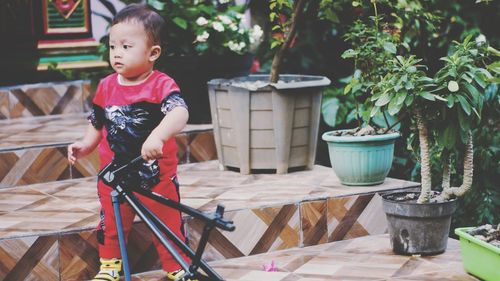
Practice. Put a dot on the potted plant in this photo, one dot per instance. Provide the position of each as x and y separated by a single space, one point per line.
480 250
268 122
444 109
363 156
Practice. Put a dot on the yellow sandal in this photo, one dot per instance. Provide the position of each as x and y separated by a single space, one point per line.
175 275
110 270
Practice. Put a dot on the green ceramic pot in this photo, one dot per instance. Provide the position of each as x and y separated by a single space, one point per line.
363 160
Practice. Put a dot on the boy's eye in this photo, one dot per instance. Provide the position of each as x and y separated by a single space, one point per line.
126 47
112 47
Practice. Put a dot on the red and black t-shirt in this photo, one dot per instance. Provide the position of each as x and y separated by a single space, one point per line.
127 114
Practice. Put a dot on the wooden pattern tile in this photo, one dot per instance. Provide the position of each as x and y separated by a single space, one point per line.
355 216
313 217
196 147
29 258
4 105
80 255
366 258
27 143
258 231
266 210
33 166
87 95
45 99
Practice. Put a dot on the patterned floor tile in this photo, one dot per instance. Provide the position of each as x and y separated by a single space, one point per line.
366 258
313 215
258 231
30 258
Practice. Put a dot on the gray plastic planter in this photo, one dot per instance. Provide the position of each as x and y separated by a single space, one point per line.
418 228
262 126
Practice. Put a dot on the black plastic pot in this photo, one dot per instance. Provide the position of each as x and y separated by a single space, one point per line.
192 74
418 228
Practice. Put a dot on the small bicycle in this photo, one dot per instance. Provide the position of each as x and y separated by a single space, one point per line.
110 175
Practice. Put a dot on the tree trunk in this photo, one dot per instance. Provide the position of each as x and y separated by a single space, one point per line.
425 167
278 57
453 192
446 169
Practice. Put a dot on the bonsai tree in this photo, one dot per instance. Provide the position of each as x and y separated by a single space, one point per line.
445 109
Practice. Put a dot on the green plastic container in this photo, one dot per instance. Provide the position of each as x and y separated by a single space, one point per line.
480 258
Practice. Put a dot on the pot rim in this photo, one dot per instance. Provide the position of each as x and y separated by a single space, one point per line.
327 136
385 194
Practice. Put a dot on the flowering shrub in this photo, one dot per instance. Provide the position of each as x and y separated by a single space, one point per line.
225 32
198 27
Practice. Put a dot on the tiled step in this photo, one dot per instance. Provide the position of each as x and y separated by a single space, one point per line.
47 230
366 258
43 99
33 150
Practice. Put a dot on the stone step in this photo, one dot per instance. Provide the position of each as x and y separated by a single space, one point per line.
47 230
33 150
364 258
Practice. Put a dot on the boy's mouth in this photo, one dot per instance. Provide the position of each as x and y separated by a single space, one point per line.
118 64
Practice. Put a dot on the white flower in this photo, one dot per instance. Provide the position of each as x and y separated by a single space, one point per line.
224 1
202 37
201 21
225 19
218 26
241 30
236 47
480 39
233 27
239 15
256 32
453 86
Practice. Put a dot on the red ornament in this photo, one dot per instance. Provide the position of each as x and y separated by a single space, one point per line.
66 7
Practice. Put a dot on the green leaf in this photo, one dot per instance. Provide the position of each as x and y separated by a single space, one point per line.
182 23
394 107
440 98
474 92
465 105
463 121
383 100
347 88
451 101
409 100
400 97
274 44
329 109
374 111
494 67
158 5
350 53
390 47
427 96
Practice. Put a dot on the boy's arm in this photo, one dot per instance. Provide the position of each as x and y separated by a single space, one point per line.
83 147
169 126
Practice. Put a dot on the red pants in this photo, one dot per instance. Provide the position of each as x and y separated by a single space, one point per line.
108 242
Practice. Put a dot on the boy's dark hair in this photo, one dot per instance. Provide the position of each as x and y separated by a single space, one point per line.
152 22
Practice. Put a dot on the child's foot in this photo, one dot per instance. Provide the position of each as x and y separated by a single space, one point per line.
175 275
110 270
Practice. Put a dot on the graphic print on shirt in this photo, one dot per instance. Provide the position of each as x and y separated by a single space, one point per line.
128 126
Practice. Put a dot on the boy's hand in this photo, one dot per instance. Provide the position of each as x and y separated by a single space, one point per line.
152 148
77 150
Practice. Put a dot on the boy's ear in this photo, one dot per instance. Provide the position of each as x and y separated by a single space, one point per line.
155 53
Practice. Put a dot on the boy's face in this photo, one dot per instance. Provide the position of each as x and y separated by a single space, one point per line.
130 51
